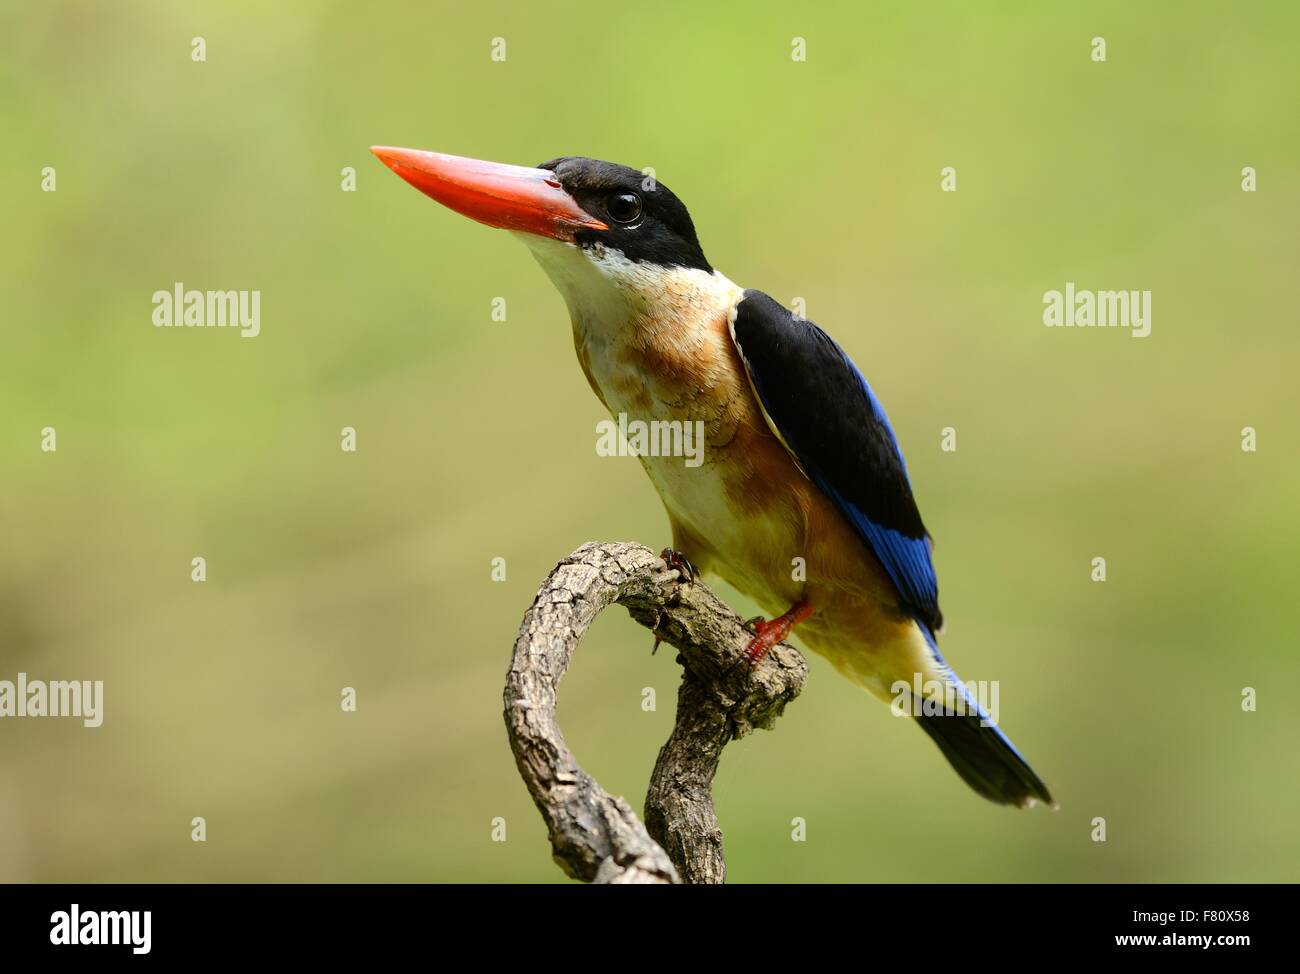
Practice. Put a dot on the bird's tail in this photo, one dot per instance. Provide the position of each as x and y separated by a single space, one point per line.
985 758
975 746
910 674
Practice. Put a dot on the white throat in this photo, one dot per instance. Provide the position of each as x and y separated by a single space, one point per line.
613 299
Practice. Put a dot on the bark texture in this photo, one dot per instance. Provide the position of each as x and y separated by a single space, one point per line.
594 836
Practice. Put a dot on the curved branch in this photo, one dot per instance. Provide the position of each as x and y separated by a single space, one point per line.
594 836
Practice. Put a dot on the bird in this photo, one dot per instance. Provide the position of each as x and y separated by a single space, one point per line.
801 464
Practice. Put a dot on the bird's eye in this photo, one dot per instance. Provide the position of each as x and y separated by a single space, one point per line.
624 207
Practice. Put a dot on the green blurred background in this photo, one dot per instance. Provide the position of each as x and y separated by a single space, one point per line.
476 438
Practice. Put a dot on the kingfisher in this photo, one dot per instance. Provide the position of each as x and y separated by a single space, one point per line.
801 465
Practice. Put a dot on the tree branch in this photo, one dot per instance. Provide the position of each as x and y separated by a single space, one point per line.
598 838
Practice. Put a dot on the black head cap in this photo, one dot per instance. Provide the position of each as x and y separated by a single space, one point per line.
646 221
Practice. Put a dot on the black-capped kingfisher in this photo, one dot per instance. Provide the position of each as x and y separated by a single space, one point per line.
800 459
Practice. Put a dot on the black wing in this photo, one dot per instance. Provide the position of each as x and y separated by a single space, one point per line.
822 408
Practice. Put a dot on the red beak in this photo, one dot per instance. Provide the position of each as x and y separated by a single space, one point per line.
509 197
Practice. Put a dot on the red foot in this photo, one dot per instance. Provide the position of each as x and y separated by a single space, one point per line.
768 634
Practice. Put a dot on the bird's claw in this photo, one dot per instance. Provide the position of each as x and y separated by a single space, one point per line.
769 633
681 564
766 635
